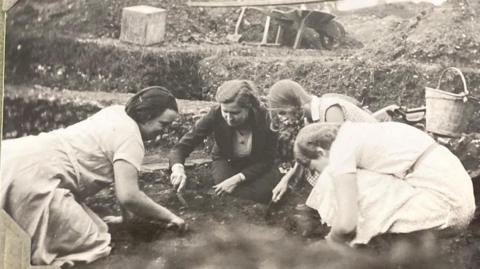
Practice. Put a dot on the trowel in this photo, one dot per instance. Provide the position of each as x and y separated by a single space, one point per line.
181 199
268 210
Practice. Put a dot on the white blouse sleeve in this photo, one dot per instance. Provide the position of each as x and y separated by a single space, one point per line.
124 141
130 150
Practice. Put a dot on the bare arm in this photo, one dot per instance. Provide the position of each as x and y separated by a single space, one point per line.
282 185
133 199
346 193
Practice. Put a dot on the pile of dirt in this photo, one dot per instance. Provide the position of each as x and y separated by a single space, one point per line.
375 84
92 19
102 19
401 53
447 35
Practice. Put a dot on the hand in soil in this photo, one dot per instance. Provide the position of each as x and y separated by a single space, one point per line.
178 178
113 219
177 223
228 185
279 190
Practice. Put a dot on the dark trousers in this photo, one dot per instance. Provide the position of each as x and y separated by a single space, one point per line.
258 189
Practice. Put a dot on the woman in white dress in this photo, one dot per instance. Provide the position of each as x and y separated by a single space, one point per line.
383 178
45 178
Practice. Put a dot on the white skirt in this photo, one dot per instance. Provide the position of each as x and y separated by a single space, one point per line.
38 189
437 194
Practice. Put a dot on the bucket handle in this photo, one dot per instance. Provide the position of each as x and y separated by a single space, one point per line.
465 90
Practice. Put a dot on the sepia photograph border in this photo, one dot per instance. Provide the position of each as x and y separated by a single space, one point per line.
15 244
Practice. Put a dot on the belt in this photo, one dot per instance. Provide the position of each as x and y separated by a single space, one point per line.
424 154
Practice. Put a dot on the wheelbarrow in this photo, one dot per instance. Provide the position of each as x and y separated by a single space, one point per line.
329 30
322 22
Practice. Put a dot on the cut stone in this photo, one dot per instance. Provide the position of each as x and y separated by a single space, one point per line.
143 25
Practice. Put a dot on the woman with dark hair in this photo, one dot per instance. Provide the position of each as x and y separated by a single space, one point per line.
381 178
46 178
243 153
288 101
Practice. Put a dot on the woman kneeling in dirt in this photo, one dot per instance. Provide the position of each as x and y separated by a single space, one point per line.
289 103
383 178
46 178
243 152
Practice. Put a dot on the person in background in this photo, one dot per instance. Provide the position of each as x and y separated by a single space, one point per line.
290 103
383 178
46 178
244 149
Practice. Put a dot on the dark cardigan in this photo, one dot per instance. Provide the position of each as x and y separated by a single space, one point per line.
259 161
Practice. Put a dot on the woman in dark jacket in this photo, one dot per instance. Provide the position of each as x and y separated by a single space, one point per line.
243 154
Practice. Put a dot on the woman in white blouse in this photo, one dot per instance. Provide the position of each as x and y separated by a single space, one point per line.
45 178
383 178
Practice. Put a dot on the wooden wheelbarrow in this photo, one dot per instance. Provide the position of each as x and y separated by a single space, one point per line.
323 23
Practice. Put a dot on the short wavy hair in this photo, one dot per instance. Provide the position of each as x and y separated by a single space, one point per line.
242 92
313 136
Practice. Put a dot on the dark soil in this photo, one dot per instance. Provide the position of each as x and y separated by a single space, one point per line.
231 233
389 55
448 34
89 18
419 32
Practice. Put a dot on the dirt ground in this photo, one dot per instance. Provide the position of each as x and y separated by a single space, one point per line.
387 32
230 233
389 53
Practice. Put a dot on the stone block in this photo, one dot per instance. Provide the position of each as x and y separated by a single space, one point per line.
143 25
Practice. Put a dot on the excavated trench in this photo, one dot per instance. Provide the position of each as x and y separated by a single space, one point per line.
224 232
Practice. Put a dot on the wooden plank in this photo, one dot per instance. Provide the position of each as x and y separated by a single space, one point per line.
299 36
242 3
279 34
265 31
